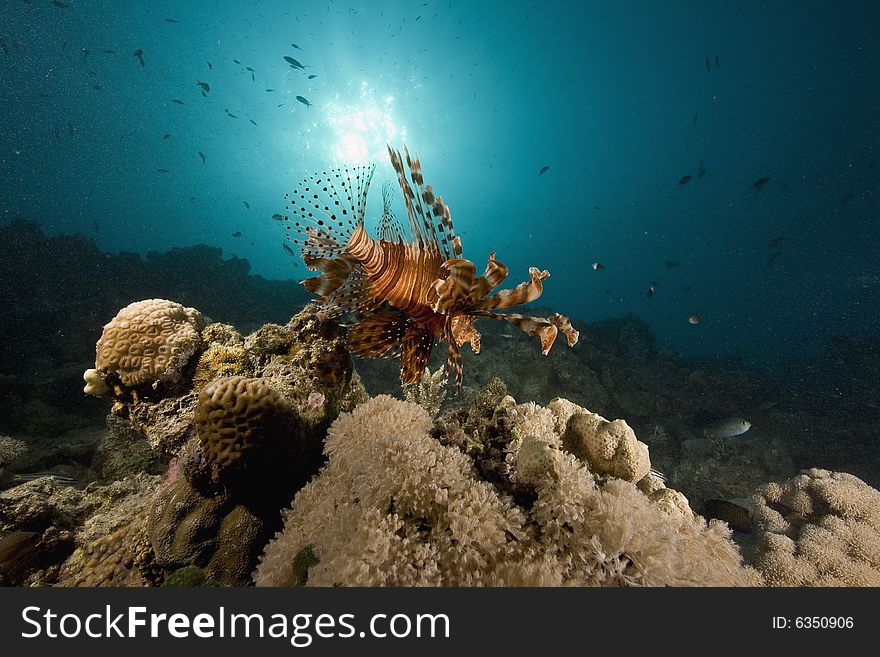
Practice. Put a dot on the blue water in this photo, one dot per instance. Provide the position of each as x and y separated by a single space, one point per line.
603 93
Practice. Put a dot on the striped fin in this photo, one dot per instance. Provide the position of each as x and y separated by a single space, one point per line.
453 358
455 289
494 275
378 335
415 351
545 328
430 221
390 229
324 210
354 294
522 293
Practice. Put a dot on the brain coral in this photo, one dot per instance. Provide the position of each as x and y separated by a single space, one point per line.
148 342
395 507
236 416
819 528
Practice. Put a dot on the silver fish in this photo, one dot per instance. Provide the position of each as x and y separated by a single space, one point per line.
727 428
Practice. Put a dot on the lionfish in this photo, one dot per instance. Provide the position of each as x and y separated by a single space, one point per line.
407 290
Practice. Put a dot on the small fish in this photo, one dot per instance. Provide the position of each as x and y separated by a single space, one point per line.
33 476
281 104
776 241
702 170
202 156
270 90
288 250
278 217
650 292
170 20
696 119
205 87
598 266
685 180
544 169
140 55
304 101
693 318
253 77
727 428
296 46
14 544
167 135
774 258
252 121
759 183
248 68
736 516
236 61
177 100
163 170
708 70
192 199
672 264
231 115
716 62
312 76
247 205
210 68
85 52
237 233
293 63
108 51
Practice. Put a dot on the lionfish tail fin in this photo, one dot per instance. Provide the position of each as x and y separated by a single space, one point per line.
430 221
390 229
522 293
325 209
545 328
378 335
416 349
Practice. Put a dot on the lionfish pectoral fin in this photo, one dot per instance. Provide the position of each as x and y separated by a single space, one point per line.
545 328
494 275
354 295
453 358
456 287
390 229
416 349
522 293
378 335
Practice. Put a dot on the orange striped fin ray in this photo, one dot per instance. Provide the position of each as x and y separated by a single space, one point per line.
416 349
522 293
545 328
390 229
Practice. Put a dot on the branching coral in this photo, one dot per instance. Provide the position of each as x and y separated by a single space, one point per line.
819 528
395 507
429 391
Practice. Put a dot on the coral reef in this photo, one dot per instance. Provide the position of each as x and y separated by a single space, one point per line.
429 391
11 450
819 528
394 506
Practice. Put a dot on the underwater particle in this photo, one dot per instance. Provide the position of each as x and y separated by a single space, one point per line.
237 233
693 318
773 258
759 183
702 170
650 292
736 516
304 101
163 170
716 62
139 53
685 179
57 133
598 266
672 264
708 69
696 119
544 169
727 428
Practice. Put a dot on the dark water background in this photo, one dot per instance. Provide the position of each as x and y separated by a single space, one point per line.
620 100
